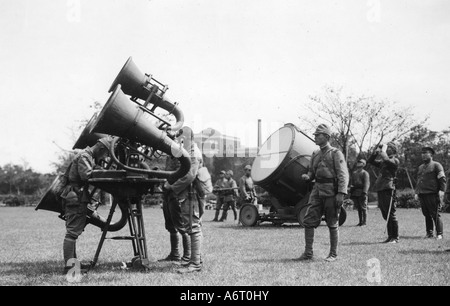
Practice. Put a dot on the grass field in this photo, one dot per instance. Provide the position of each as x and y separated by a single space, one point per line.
31 253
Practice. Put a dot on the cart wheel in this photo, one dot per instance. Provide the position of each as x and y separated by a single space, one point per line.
248 215
301 215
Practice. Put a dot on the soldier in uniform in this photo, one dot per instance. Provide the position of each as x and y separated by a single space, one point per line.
329 170
230 196
220 183
173 220
430 180
246 186
360 183
189 204
384 158
76 197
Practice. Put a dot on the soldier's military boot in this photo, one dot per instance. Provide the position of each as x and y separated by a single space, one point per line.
174 254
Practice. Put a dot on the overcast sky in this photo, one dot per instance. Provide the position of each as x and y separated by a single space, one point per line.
228 63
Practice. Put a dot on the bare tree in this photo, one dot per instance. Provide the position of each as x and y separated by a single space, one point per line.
360 122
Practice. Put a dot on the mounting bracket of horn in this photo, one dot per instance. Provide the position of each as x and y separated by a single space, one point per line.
169 175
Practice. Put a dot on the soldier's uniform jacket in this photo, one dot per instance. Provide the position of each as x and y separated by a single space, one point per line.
182 186
221 183
246 187
230 194
430 178
172 163
329 169
81 168
388 169
360 182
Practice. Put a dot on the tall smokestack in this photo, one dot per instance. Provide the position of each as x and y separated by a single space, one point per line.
259 133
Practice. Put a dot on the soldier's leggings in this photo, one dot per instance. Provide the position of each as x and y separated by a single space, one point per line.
384 200
430 204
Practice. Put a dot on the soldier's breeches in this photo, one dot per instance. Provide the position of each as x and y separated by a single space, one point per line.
430 209
75 214
319 207
172 214
191 216
360 202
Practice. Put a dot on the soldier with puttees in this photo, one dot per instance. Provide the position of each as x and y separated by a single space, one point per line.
247 190
230 195
329 170
173 220
189 204
360 183
76 196
384 157
221 183
430 180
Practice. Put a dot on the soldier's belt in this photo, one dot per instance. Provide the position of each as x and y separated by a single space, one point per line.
325 180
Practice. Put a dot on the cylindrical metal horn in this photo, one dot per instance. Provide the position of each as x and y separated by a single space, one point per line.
120 117
138 85
87 138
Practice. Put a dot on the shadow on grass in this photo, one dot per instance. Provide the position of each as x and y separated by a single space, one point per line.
264 226
412 238
362 243
52 267
284 260
424 252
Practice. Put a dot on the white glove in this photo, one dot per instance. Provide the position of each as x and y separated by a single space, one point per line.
167 186
416 197
384 148
305 177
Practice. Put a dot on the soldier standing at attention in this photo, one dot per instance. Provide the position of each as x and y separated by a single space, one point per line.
230 196
220 183
329 169
430 180
360 183
246 186
384 158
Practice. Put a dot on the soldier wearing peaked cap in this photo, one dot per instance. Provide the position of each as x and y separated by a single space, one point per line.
430 180
230 196
360 183
384 157
222 182
76 195
329 170
247 190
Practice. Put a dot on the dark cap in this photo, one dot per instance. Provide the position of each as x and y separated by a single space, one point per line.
430 149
